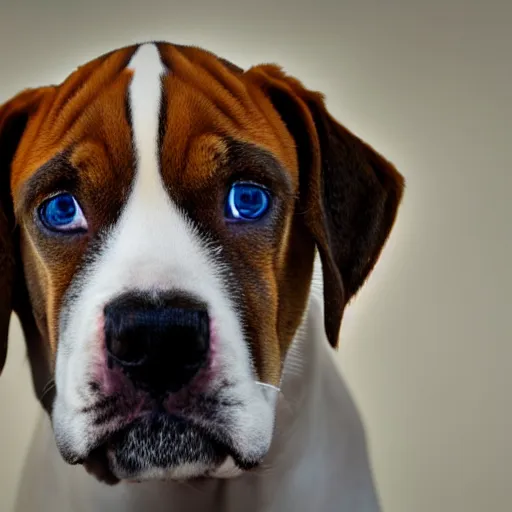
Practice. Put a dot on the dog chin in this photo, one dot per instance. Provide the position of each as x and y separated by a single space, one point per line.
162 447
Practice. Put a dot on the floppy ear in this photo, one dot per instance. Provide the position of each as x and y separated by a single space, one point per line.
349 194
14 116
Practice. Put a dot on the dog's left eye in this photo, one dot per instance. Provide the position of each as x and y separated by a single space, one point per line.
247 202
62 213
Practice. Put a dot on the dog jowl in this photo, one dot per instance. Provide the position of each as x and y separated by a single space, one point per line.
160 213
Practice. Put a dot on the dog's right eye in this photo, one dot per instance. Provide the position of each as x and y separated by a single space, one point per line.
62 213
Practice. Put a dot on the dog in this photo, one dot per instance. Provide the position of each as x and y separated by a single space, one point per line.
161 214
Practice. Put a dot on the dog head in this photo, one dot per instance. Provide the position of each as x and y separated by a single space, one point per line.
160 212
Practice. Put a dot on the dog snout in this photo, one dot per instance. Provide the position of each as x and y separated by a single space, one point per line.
160 342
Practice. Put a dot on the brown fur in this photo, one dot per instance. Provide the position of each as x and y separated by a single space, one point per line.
333 192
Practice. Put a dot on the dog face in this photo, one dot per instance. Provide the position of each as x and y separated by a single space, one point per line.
160 213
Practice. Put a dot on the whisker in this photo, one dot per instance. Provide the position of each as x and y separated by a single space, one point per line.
49 386
190 484
271 386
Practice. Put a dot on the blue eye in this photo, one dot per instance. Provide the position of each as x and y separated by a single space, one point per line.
247 201
62 213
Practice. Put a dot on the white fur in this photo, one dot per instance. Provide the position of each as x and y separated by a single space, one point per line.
318 460
228 469
183 472
153 247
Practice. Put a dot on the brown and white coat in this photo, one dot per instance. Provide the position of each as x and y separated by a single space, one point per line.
149 139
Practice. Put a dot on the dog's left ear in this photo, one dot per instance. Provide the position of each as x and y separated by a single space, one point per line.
14 117
349 194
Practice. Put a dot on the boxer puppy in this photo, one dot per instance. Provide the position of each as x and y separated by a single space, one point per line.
161 210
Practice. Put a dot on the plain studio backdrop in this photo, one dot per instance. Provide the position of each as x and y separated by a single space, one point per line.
427 345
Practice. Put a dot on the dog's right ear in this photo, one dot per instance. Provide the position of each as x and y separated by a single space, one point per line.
14 117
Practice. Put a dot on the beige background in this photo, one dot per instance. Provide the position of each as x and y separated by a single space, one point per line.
426 347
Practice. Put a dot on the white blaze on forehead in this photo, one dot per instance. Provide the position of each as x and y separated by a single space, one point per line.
145 93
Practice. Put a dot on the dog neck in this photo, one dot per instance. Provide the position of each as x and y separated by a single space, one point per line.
318 459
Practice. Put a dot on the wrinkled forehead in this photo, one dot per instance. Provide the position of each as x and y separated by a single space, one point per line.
185 101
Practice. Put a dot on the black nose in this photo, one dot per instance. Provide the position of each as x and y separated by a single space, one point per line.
159 342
